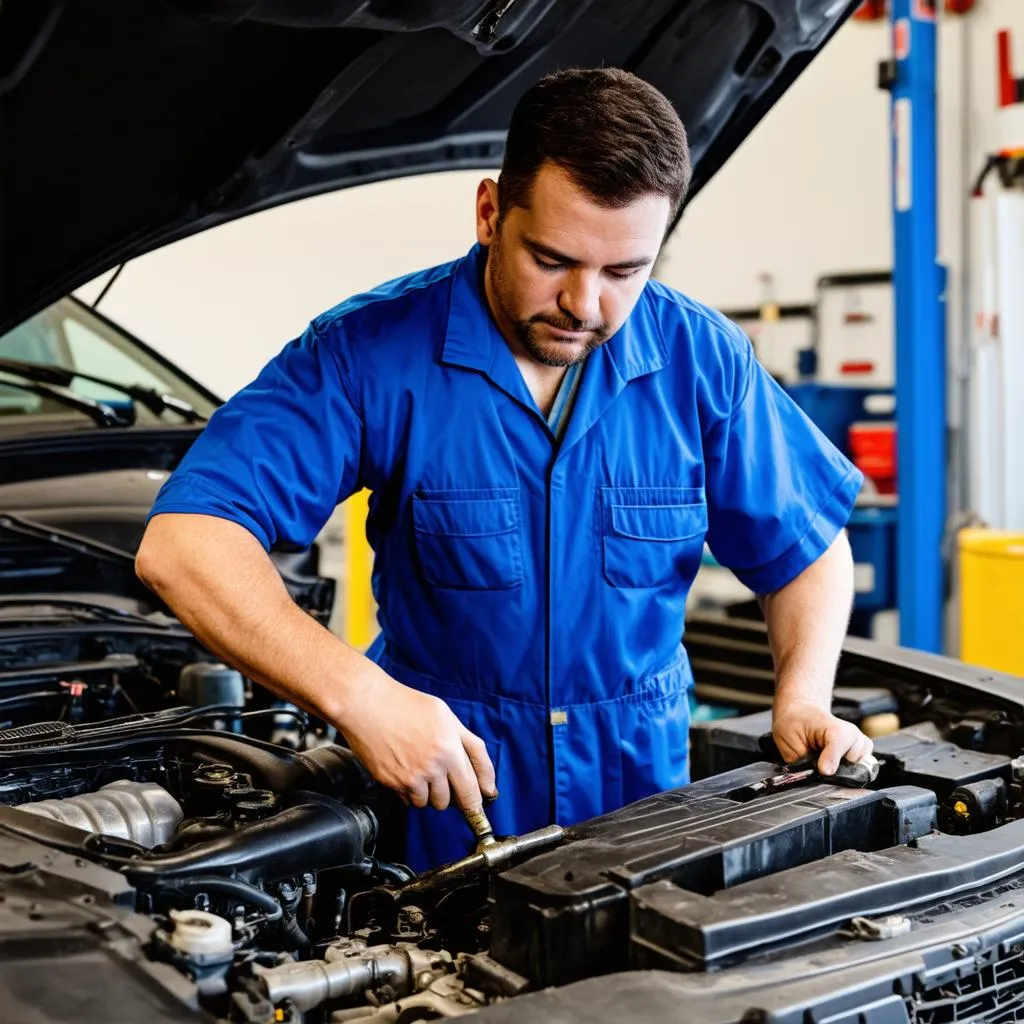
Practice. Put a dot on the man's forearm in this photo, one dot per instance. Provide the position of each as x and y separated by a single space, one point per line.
220 582
807 621
226 590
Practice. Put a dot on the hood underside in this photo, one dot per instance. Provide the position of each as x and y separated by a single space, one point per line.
125 125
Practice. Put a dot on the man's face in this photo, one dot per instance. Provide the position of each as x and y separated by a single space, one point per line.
564 274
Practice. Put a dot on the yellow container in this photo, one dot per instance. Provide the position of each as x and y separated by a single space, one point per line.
356 594
992 599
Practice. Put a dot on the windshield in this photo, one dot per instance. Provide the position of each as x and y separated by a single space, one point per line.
68 335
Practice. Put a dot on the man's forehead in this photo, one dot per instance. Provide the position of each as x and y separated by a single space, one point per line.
561 216
556 199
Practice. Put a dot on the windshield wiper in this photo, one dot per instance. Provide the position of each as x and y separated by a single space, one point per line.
99 412
152 399
94 608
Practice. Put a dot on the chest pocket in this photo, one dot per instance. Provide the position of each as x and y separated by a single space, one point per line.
652 535
469 539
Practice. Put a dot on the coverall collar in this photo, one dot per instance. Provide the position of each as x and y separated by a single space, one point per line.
473 341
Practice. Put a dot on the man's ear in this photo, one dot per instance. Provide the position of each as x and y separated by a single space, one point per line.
486 211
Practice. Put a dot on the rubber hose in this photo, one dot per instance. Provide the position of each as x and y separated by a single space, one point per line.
315 834
331 770
307 837
293 933
238 890
393 874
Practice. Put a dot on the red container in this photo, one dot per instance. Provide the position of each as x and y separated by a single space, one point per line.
873 451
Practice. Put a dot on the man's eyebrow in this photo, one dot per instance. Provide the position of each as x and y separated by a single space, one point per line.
635 264
552 254
560 257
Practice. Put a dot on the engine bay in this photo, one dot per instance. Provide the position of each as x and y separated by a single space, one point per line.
91 657
178 864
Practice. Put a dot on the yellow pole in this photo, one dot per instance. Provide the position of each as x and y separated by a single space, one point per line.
359 609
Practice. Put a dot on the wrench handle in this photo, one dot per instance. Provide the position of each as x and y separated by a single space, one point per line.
481 828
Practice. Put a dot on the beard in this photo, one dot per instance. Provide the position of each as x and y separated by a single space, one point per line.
530 332
552 352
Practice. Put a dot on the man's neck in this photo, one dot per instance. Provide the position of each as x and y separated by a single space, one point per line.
542 381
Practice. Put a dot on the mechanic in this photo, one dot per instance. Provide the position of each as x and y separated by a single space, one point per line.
549 437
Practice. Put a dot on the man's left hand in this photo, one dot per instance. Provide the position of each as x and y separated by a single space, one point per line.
801 727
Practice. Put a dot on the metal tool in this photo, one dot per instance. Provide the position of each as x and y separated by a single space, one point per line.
490 853
854 775
481 826
849 774
790 775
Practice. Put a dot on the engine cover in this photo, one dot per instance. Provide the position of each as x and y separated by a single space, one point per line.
143 812
71 947
564 915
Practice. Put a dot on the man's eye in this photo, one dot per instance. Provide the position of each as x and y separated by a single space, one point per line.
623 275
544 265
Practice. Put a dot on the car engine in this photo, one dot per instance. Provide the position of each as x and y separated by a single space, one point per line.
164 867
91 657
239 864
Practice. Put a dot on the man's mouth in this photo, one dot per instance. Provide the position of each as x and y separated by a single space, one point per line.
569 332
561 334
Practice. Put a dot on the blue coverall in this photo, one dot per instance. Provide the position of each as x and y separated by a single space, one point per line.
537 587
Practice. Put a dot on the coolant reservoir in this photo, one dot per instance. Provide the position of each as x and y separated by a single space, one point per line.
199 934
202 683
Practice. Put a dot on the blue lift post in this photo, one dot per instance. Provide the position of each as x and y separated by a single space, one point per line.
920 329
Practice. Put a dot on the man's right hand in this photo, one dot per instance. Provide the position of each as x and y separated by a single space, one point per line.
413 743
217 578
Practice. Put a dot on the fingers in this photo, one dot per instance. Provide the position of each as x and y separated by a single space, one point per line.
831 755
464 787
449 764
476 751
437 788
434 791
791 744
417 793
790 752
861 749
440 793
843 742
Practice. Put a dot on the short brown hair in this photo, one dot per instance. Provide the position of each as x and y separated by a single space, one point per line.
617 136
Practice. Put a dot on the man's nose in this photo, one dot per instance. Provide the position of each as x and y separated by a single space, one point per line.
581 298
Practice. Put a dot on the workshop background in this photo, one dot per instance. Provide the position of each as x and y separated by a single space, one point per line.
817 238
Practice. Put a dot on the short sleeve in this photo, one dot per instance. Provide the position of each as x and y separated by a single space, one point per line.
281 453
778 491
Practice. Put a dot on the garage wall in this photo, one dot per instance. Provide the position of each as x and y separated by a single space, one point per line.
807 194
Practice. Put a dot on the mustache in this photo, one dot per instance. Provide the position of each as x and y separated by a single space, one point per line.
563 322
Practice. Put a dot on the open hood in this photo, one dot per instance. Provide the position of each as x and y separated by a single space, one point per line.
127 125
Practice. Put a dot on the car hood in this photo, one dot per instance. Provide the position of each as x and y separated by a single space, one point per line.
126 126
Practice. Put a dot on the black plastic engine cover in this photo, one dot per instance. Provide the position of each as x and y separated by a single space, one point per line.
564 914
71 951
934 877
914 758
727 744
